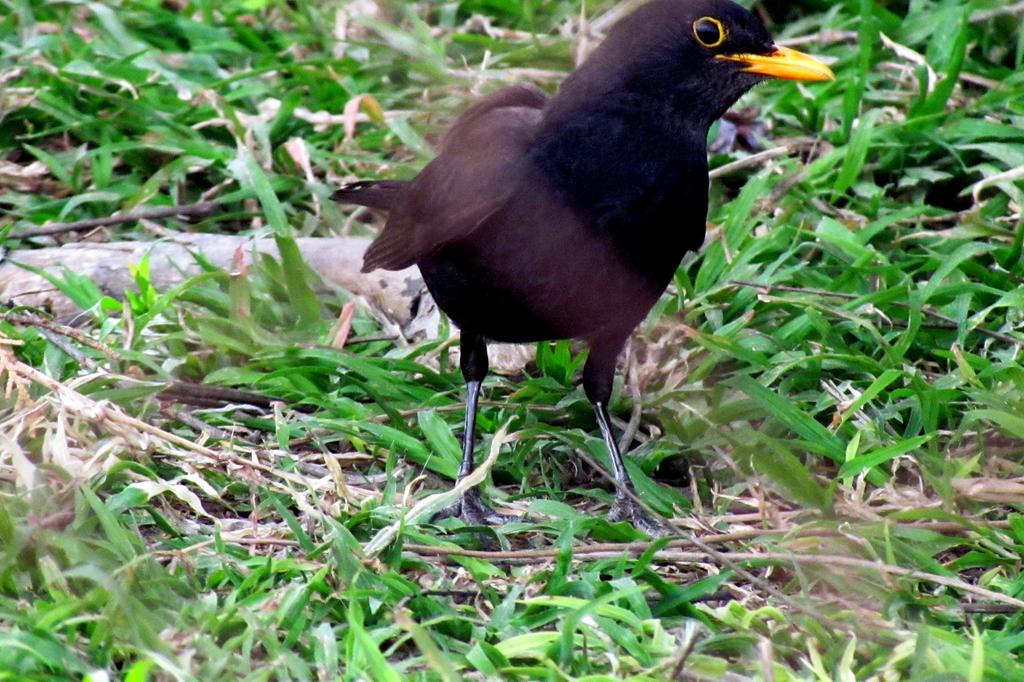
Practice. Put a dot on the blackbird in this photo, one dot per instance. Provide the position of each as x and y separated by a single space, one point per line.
566 216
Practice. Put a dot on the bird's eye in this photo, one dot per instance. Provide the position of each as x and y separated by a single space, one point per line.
709 32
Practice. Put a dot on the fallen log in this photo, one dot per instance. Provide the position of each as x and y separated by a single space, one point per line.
335 260
400 297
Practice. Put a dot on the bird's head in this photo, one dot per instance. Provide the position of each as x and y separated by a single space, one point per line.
703 54
729 39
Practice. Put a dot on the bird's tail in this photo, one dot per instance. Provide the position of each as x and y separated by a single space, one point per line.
378 194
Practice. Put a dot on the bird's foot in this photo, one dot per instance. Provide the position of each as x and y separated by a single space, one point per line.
627 509
472 510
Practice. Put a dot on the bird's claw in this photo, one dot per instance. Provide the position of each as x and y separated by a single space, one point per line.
473 512
626 509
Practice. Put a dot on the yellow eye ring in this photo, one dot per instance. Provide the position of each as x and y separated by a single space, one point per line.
709 32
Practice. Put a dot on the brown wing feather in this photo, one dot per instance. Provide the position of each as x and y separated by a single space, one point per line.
482 158
378 194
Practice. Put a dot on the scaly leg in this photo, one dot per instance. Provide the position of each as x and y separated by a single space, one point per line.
471 507
598 376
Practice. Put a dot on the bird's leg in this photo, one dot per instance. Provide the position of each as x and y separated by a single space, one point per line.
471 508
626 507
598 376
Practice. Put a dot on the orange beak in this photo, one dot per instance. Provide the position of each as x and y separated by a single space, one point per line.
783 63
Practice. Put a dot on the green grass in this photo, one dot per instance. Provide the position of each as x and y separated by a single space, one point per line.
834 383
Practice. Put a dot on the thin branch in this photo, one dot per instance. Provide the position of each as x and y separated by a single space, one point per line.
984 15
460 406
370 339
70 350
945 527
997 603
833 37
204 395
690 642
769 288
204 208
753 160
637 548
825 37
30 320
196 423
990 609
669 553
535 555
227 538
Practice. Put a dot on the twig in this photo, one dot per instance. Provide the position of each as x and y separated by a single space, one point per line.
204 395
636 548
984 15
767 655
201 209
833 37
997 603
980 81
726 558
196 423
71 351
603 23
768 288
752 160
30 320
989 609
371 339
690 641
343 327
450 593
240 540
824 37
459 406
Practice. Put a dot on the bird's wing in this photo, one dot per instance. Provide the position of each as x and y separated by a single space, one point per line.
378 194
482 158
